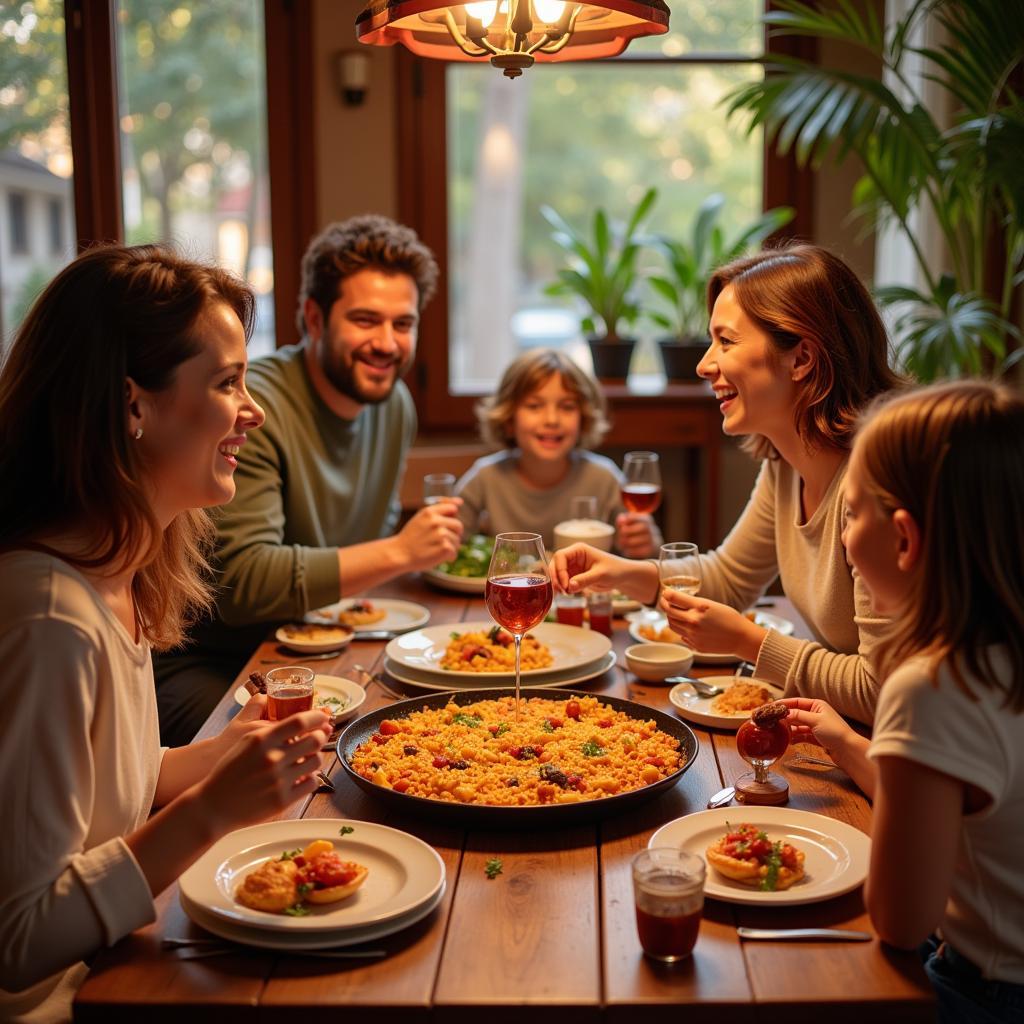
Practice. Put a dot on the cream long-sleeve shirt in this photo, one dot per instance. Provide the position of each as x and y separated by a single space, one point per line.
769 540
79 759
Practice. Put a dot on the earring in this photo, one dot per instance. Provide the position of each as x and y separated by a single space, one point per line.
138 433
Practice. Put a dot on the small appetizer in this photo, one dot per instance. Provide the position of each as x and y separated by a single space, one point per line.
361 613
314 875
746 854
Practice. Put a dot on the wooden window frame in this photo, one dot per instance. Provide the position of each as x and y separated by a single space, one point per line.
90 34
423 205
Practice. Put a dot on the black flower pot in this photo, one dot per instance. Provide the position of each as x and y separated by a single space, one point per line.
611 358
680 357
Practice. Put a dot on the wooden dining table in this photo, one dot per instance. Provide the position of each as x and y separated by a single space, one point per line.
553 936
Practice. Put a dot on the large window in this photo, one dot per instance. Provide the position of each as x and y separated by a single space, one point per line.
193 135
177 115
36 197
574 136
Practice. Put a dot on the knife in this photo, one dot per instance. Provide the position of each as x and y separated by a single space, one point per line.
799 934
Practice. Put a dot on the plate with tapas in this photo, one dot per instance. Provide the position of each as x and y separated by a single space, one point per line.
771 855
726 710
484 652
363 615
336 694
313 637
314 875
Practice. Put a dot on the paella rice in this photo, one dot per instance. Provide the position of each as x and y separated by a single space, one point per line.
560 751
493 651
741 697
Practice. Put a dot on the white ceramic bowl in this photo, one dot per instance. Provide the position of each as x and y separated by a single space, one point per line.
584 531
654 663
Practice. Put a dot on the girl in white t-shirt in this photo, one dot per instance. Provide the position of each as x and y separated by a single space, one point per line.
935 493
122 410
544 416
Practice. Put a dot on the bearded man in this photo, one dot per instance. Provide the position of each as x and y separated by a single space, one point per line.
316 503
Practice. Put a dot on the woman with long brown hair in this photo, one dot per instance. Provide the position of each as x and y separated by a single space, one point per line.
935 492
122 409
797 350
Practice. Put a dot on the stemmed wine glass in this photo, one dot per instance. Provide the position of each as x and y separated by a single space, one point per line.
518 591
641 488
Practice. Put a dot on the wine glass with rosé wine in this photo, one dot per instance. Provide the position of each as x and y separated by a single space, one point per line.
518 591
641 486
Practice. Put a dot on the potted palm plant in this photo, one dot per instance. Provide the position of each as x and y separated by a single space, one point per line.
967 175
602 272
684 283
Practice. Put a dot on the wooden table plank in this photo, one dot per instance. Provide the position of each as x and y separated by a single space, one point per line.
530 936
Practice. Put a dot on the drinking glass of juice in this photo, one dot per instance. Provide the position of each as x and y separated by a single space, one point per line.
289 691
668 888
641 482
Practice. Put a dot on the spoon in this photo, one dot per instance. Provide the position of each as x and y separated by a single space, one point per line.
702 689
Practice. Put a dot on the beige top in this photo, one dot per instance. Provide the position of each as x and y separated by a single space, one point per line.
79 758
768 541
981 743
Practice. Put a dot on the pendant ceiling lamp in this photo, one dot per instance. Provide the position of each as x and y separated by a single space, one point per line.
511 34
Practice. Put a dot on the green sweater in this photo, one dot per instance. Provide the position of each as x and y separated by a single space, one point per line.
308 482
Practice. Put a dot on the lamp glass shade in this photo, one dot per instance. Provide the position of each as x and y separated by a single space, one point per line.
420 25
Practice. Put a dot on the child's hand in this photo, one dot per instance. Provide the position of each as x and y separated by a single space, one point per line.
813 721
635 535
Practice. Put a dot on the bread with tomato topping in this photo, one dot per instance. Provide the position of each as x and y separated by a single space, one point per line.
746 854
273 887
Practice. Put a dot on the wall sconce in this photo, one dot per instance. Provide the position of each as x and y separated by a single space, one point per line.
351 75
511 34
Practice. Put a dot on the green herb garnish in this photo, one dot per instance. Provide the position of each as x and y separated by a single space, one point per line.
773 863
290 854
493 868
592 749
472 721
454 636
547 726
304 888
502 729
345 830
298 910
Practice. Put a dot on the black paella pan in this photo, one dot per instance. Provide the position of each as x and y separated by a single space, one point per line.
500 816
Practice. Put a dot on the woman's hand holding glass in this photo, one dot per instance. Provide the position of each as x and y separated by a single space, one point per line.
635 535
711 627
265 767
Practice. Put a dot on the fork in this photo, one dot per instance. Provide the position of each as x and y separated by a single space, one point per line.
368 677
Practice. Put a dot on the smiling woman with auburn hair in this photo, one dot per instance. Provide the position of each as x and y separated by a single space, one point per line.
122 409
797 351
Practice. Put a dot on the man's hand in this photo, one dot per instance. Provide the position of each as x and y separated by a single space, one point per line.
431 536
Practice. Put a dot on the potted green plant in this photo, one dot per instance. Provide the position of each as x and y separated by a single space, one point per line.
683 286
602 272
967 175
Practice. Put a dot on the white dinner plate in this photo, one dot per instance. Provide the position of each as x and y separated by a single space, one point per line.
460 584
318 646
698 709
837 854
333 693
435 681
404 873
399 616
570 646
234 932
